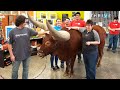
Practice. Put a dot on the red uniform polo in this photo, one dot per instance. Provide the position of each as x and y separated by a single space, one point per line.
77 23
64 25
113 25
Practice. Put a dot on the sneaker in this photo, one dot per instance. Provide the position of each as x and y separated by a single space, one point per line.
62 66
108 49
53 68
84 77
114 51
57 67
79 61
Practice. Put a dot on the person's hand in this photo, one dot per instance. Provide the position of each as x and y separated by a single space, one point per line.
47 32
88 43
113 30
68 28
12 58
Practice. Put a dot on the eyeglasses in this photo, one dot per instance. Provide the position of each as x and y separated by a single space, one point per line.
88 25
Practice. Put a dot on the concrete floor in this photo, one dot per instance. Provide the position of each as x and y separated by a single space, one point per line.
40 68
108 70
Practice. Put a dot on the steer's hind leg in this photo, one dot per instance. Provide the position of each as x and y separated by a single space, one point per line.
67 69
72 66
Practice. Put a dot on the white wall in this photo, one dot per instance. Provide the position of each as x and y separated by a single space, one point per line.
119 16
87 15
34 15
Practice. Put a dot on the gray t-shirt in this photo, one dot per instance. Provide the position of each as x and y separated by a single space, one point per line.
96 35
20 40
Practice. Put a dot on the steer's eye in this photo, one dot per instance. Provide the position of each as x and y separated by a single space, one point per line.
48 43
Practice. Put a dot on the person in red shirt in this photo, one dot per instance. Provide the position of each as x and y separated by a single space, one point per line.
114 28
66 23
77 22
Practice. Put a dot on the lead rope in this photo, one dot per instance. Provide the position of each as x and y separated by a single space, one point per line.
43 69
1 77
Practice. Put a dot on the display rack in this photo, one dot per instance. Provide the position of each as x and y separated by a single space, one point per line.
1 59
0 23
4 58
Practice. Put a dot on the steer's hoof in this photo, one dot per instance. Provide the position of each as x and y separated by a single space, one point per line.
71 75
98 65
65 74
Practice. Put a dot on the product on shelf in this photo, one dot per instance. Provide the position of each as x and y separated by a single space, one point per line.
7 61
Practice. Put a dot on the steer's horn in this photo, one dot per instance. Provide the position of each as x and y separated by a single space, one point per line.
58 35
36 23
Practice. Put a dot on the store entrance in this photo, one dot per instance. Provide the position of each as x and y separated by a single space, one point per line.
103 18
64 16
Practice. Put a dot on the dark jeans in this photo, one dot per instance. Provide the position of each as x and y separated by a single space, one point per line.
52 60
113 39
119 39
62 62
90 61
79 55
56 60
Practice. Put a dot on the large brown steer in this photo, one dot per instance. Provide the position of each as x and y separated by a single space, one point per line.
65 50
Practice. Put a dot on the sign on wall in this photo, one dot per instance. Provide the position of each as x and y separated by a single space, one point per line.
7 30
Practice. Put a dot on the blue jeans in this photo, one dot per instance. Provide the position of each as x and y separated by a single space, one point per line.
79 55
62 62
15 68
119 38
113 39
90 61
52 60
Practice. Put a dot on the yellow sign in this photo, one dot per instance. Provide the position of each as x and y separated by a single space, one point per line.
57 14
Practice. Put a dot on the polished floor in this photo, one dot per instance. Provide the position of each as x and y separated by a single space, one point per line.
40 68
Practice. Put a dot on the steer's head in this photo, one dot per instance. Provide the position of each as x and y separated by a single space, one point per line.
48 45
50 40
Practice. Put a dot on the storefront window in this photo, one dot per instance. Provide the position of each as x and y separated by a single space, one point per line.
15 12
5 12
22 12
103 17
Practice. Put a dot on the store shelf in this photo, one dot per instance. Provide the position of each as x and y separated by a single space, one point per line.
4 58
